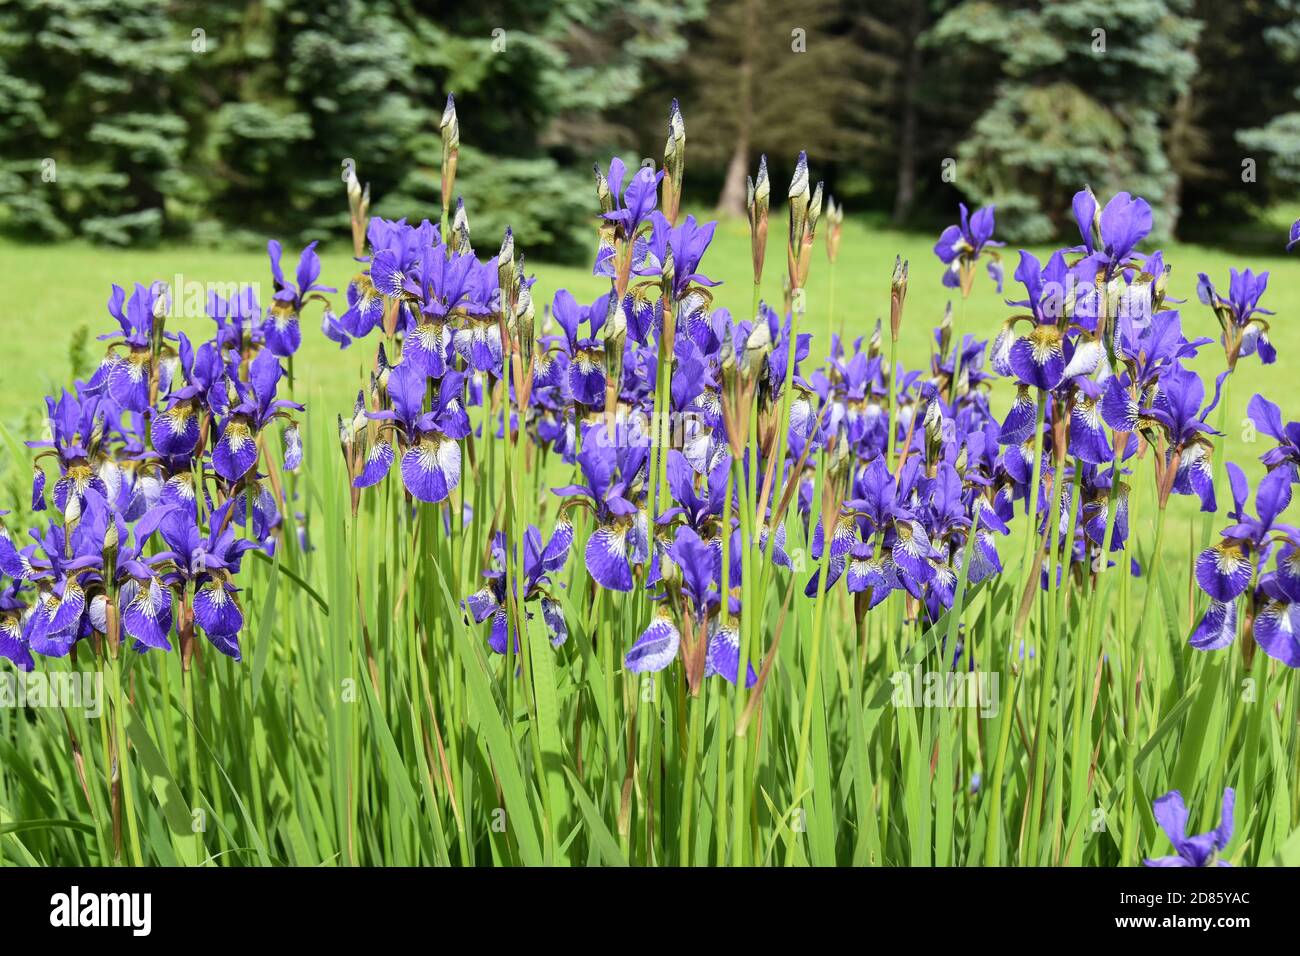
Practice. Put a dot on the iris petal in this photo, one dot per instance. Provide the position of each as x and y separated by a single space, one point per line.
1217 628
656 648
1223 571
607 558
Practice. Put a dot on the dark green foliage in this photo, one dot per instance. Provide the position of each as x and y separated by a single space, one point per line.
208 119
1278 137
129 121
92 136
1070 105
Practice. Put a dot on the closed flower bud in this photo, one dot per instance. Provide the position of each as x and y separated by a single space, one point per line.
897 296
358 413
110 537
449 125
450 150
669 273
506 260
460 229
815 211
603 195
758 345
674 163
800 197
762 186
799 184
759 193
835 228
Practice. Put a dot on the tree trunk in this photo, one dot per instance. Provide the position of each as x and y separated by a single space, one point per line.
905 193
731 202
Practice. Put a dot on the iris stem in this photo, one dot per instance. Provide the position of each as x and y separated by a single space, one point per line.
120 748
1048 647
993 832
819 617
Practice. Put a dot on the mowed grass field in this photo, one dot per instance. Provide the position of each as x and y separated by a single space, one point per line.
56 289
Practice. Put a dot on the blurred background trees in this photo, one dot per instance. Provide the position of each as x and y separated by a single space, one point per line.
134 121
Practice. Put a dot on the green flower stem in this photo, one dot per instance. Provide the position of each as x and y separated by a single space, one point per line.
739 803
119 705
993 830
1049 649
819 619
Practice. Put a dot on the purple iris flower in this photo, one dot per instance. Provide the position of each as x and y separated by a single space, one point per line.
1277 615
73 421
688 242
1184 422
146 600
175 431
698 510
206 563
1244 333
239 321
960 246
1268 419
236 450
126 377
282 331
615 473
701 585
458 283
585 353
1037 359
56 563
1149 348
1171 814
633 206
13 647
429 441
1125 221
1224 571
1293 239
541 560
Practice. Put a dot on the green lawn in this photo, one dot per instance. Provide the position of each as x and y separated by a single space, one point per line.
55 289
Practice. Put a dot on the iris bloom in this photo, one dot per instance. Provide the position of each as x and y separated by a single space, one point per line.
1277 619
13 647
585 353
615 474
76 426
127 377
1183 420
256 407
1038 358
629 210
960 246
541 561
1171 814
429 441
207 564
1225 570
1243 332
1111 238
1268 419
281 329
175 432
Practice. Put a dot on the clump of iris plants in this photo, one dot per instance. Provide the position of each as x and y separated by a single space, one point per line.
637 565
154 480
162 477
707 467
